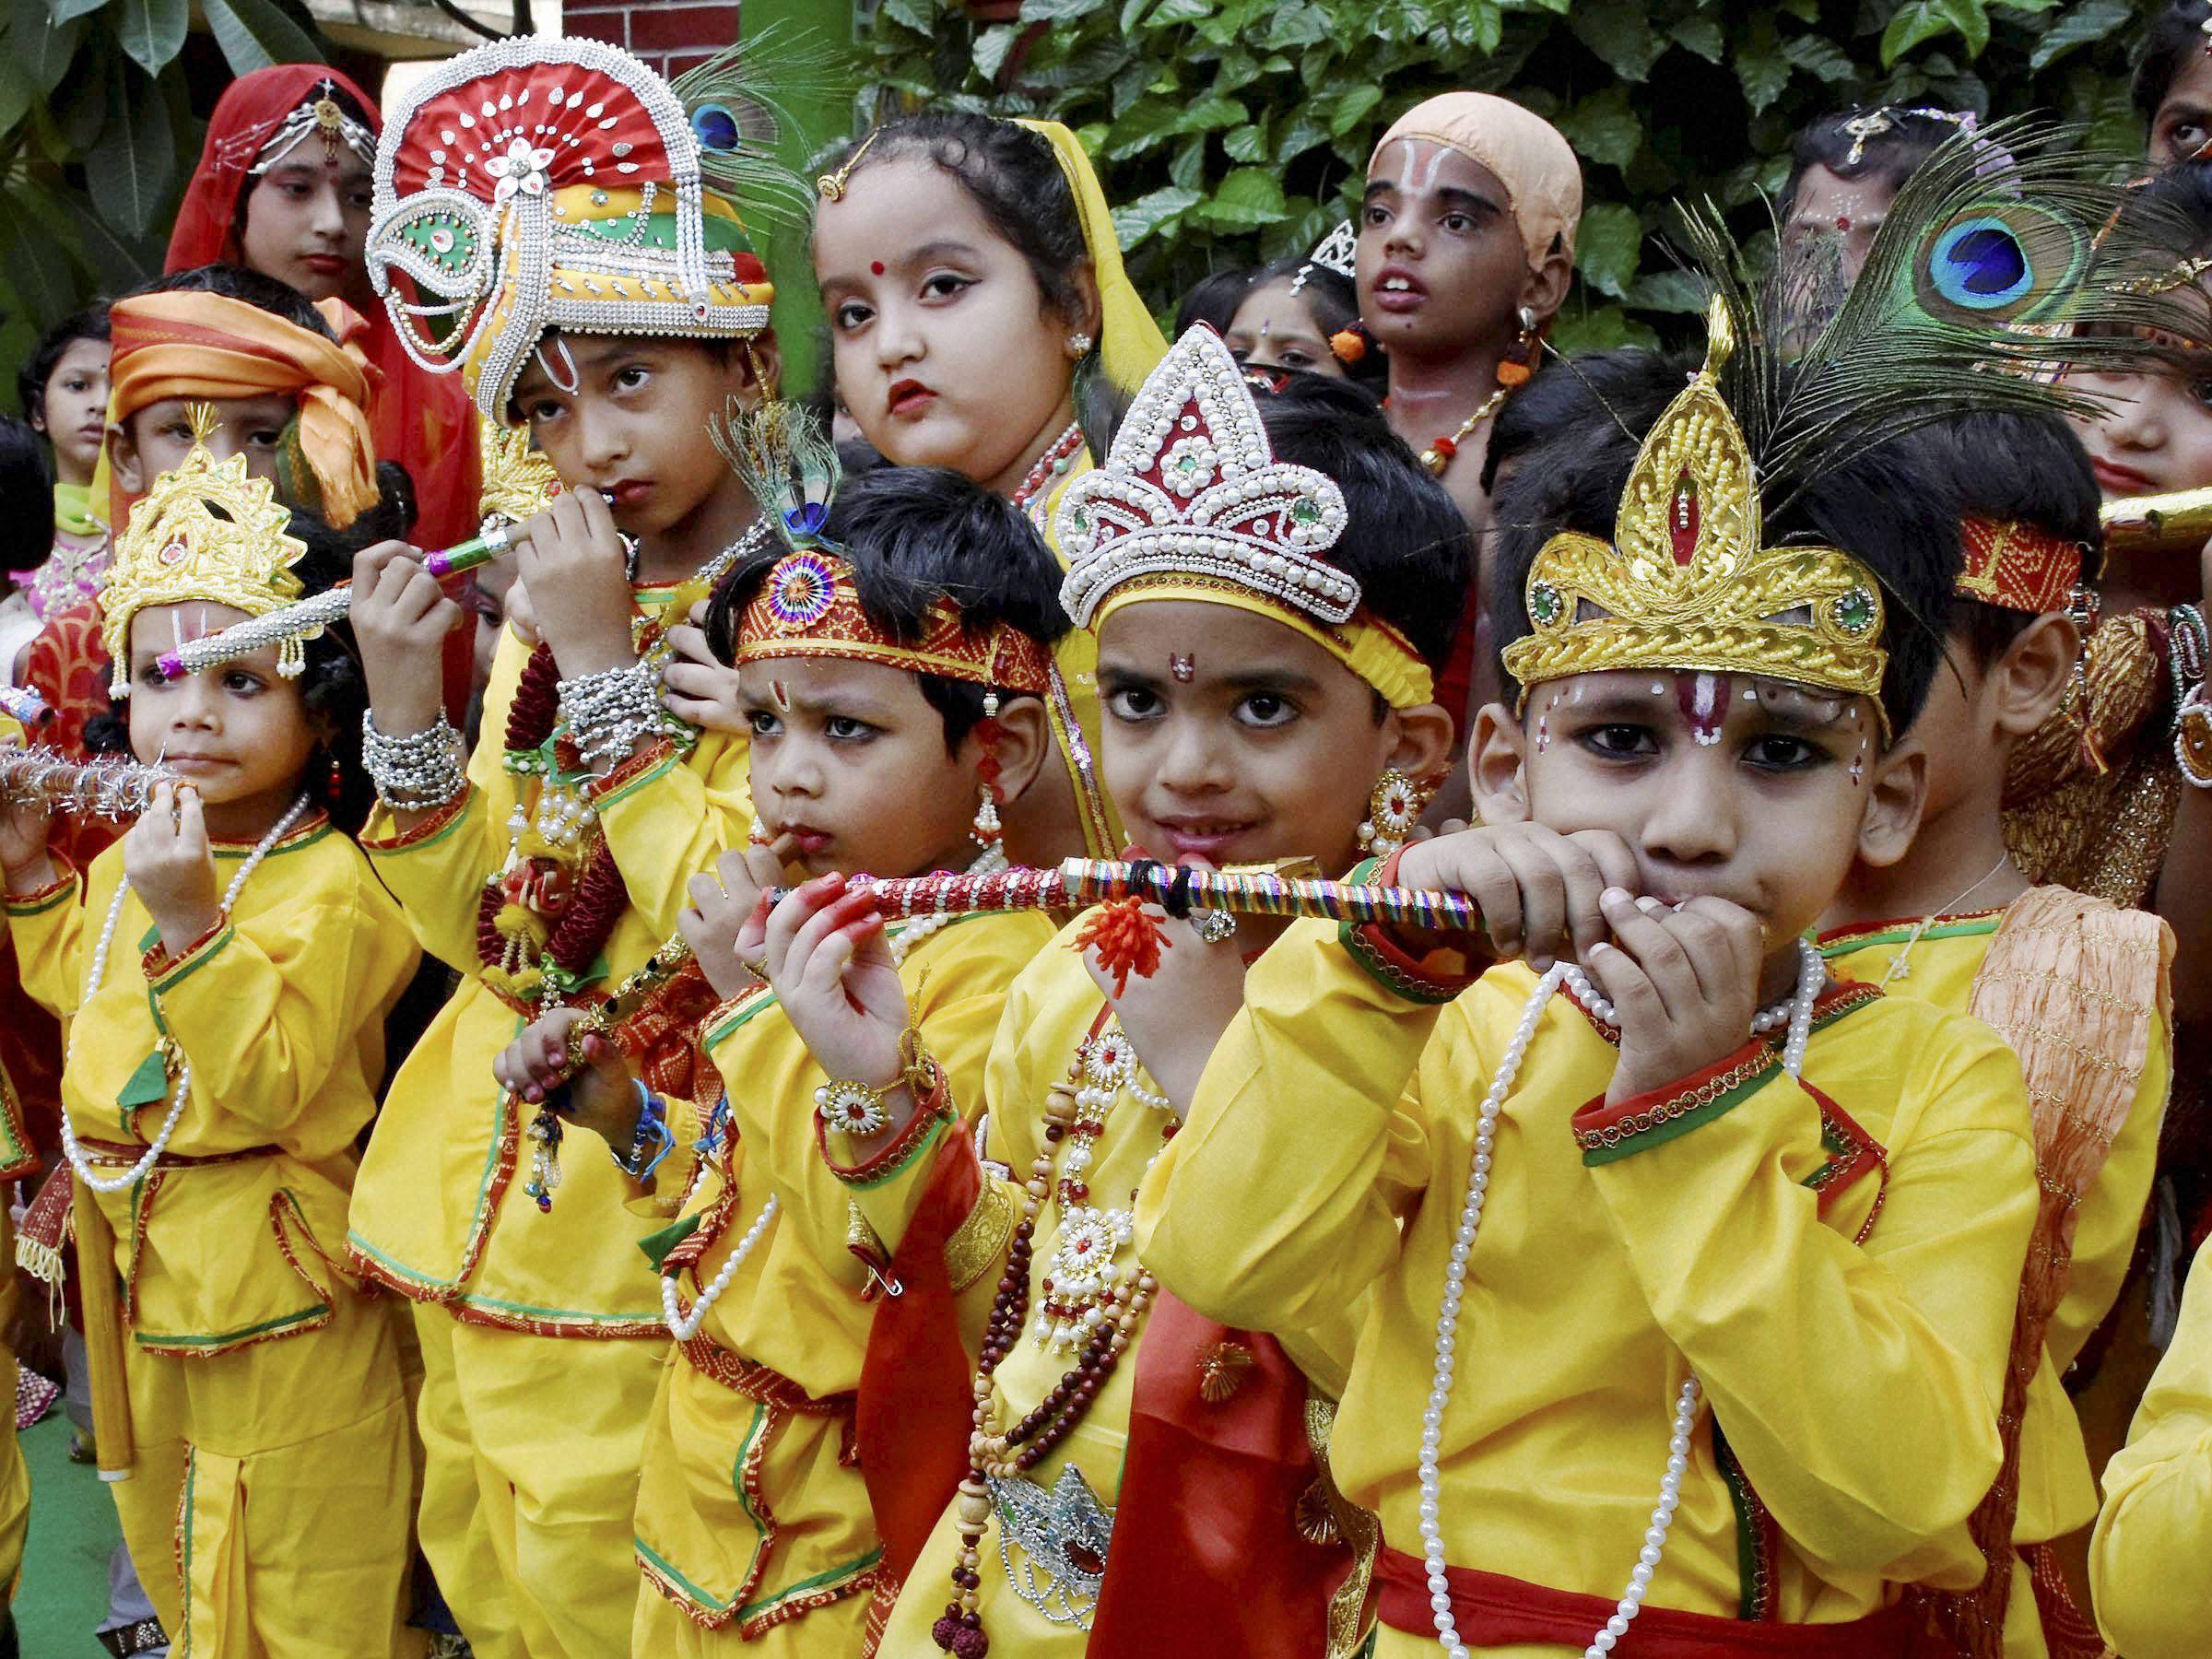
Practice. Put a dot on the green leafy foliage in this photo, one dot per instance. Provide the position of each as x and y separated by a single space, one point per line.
1230 131
97 138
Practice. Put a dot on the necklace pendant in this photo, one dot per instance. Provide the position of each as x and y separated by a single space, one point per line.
1052 1543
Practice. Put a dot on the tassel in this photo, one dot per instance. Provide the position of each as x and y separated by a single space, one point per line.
1126 939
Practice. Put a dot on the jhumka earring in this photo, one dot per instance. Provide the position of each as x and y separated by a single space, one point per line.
986 830
1513 371
1392 811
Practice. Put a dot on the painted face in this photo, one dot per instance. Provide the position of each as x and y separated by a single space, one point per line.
946 351
157 438
1443 269
1745 789
849 758
1835 219
2182 124
629 417
239 733
1276 329
1230 738
75 416
306 220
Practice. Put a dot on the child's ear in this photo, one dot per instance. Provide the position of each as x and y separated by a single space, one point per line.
1088 317
758 365
1423 747
1025 744
123 459
1897 792
2031 679
1498 766
1544 289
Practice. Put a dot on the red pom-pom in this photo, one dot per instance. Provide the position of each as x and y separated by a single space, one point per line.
1349 345
1126 939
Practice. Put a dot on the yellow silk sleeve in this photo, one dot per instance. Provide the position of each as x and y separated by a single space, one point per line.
48 928
1307 1084
2146 1561
673 820
1858 1384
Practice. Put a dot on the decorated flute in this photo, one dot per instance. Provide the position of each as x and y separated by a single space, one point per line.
2179 522
114 788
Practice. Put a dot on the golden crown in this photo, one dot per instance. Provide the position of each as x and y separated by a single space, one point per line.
1686 583
206 531
519 481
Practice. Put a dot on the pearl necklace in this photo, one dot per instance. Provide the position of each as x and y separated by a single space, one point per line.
137 1172
990 862
1052 463
1796 1015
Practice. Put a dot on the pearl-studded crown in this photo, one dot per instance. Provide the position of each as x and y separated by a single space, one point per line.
1191 487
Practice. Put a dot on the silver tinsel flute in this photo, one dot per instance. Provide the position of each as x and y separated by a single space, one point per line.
114 788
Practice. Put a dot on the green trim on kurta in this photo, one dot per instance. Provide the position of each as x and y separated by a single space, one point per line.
1842 943
1751 1564
707 1598
843 1572
739 1017
290 843
1681 1123
148 1339
667 764
184 1518
1847 1002
192 961
870 1182
399 848
38 904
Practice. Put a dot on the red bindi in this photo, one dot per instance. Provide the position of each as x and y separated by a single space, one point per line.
876 267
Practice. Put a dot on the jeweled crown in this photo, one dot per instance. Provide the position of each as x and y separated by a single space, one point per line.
1191 487
1686 582
206 531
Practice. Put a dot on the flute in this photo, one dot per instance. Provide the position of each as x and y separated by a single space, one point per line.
114 788
292 621
2179 522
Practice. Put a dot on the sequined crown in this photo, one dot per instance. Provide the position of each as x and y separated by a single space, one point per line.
519 481
537 183
809 607
1191 487
206 531
1686 583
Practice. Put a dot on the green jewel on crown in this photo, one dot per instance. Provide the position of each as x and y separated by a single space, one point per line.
1854 611
1304 512
1544 604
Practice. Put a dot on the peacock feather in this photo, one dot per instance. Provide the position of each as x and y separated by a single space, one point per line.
740 104
2005 261
786 461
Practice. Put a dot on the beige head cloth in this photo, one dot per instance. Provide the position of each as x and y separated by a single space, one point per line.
1542 179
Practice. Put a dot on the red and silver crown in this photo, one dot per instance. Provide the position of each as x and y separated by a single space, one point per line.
1191 487
527 185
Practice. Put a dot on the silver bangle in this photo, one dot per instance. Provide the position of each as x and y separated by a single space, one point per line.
607 713
419 772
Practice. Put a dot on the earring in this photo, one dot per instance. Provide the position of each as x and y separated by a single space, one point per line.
337 779
1519 361
1513 371
985 832
1392 811
1079 345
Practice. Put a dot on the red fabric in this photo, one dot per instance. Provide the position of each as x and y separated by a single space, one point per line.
624 124
917 1393
1492 1610
1208 1558
425 422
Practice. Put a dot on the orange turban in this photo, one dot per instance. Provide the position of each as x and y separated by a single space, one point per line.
204 345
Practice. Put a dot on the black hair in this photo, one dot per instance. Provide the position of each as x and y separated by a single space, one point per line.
2177 33
2173 208
1889 157
912 535
1405 541
1331 297
90 323
1612 389
237 282
2010 466
25 497
1888 508
331 686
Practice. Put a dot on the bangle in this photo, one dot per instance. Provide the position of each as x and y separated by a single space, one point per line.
2188 647
650 1143
2193 739
607 713
416 773
857 1109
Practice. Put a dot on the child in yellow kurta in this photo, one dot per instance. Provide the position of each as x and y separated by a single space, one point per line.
2076 986
555 864
893 673
2146 1562
1663 1311
1140 1475
225 972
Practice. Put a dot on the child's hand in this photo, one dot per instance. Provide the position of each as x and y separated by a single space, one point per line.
599 1098
400 618
1684 986
573 564
698 687
727 927
1174 1019
833 975
521 616
1537 889
23 856
166 859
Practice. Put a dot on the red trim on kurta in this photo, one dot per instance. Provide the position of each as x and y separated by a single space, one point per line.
1493 1610
1597 1116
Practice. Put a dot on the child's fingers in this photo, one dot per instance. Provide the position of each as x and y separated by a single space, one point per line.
706 895
841 912
1495 889
1636 1001
1656 952
1614 866
1735 947
191 822
799 911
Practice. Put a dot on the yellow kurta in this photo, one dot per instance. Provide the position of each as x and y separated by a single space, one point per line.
1049 1013
440 1214
1858 1386
2058 1492
272 1465
753 1525
2146 1563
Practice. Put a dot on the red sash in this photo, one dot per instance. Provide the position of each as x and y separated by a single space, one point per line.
1496 1611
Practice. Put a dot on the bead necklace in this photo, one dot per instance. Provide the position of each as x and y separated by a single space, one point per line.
1437 456
1902 969
137 1172
1797 1016
1108 1328
1054 463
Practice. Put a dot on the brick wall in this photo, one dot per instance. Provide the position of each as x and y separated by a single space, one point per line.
669 35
